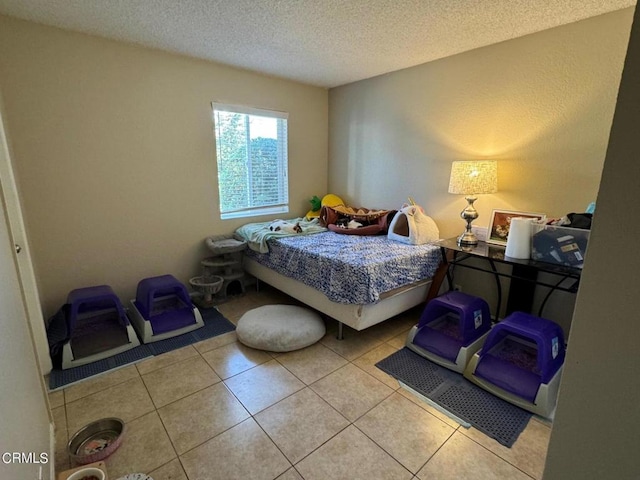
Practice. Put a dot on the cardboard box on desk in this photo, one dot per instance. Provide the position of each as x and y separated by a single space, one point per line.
560 245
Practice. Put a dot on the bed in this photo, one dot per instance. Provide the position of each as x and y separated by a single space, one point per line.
357 280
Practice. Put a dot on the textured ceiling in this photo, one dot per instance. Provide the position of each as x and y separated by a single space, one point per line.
320 42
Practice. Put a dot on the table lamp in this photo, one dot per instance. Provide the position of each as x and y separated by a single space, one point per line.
471 178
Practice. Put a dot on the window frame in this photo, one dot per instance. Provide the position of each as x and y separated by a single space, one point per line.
282 142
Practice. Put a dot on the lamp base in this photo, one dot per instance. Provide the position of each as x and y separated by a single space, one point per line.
469 214
468 239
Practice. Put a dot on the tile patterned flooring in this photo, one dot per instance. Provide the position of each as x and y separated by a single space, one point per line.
220 410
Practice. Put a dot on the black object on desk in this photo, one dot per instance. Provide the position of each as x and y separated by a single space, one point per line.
523 275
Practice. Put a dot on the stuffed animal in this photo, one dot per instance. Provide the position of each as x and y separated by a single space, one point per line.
285 227
329 200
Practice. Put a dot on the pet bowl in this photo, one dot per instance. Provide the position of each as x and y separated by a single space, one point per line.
91 473
96 441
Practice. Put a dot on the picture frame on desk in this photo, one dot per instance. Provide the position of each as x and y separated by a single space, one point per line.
501 221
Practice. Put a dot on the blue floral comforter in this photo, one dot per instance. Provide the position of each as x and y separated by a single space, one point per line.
350 269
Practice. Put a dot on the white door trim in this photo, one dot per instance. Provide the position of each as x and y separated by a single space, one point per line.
18 236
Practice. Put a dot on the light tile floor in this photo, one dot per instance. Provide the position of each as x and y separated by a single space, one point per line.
220 410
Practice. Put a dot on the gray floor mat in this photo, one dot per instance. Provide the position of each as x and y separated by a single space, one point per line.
214 324
486 412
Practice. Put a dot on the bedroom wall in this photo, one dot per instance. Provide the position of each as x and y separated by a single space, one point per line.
542 105
595 434
114 154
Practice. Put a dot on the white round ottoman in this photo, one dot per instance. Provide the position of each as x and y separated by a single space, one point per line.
280 328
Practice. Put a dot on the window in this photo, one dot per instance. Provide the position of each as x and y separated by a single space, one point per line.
251 149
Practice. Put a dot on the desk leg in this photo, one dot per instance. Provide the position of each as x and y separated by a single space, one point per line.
522 289
498 289
441 273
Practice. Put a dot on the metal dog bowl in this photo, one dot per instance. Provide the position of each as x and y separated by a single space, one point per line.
96 441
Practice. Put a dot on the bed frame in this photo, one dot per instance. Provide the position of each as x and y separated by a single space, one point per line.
359 316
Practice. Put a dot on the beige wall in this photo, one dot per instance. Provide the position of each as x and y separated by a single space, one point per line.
542 105
595 435
113 150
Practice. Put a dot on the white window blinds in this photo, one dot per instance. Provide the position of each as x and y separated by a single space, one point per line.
251 150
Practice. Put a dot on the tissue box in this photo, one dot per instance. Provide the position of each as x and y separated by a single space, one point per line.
560 245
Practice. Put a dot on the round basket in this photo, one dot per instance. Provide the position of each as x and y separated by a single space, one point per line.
209 285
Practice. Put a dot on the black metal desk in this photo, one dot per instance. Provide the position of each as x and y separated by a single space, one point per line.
523 273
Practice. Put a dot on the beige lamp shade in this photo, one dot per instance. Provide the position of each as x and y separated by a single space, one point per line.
474 177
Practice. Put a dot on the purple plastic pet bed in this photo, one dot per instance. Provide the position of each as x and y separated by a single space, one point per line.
97 327
451 329
163 309
521 362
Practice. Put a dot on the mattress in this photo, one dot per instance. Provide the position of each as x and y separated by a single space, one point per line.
350 269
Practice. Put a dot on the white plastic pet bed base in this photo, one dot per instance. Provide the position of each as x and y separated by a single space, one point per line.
145 329
464 354
544 403
71 360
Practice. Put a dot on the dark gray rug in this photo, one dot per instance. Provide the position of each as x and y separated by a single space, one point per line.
214 324
486 412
